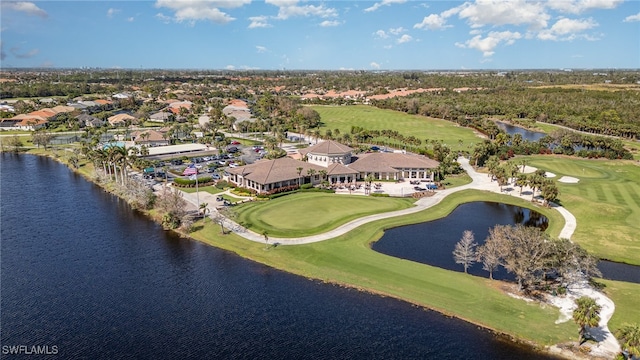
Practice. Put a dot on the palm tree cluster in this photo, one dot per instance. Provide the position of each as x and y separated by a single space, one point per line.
507 172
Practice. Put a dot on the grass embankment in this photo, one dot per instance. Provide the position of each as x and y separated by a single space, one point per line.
605 202
305 214
625 297
349 260
371 118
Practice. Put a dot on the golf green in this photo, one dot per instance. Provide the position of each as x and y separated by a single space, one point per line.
306 214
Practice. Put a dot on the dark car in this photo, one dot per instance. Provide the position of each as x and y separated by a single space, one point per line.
232 149
219 198
176 162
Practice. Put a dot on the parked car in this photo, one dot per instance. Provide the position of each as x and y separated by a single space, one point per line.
232 149
219 198
215 176
235 142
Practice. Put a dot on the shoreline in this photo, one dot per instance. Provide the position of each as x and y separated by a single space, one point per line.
554 350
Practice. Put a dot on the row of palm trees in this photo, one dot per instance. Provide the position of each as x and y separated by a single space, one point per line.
536 180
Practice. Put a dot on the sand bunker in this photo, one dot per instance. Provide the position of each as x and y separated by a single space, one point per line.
568 180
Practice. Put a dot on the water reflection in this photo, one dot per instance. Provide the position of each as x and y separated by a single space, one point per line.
433 242
527 135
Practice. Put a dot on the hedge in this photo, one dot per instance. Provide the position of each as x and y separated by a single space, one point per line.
204 181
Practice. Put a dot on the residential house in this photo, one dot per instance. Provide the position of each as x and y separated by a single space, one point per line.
162 117
121 119
89 121
150 138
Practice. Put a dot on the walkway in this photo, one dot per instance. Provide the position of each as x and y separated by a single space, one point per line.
608 346
480 182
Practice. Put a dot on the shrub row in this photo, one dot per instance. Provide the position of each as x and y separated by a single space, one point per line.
204 181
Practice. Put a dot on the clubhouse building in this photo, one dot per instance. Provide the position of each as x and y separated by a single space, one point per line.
334 162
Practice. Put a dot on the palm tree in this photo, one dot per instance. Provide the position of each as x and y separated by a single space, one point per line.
265 234
299 170
368 180
311 172
629 337
521 181
587 314
205 209
323 174
523 162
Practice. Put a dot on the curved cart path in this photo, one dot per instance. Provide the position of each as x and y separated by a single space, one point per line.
608 345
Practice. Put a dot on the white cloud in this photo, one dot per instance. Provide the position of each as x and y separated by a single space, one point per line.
397 31
196 10
330 23
130 19
374 65
376 6
290 8
631 18
432 22
567 29
112 12
26 7
578 6
230 67
499 12
488 44
164 18
381 34
259 22
404 39
261 49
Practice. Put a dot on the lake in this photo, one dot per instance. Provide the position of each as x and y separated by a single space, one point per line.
83 272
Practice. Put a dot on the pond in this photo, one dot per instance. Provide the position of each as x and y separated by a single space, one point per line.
527 135
433 242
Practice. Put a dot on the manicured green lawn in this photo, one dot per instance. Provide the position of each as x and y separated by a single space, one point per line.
625 297
457 180
371 118
349 260
605 202
306 214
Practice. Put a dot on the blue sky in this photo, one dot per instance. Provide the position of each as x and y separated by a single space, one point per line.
322 35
